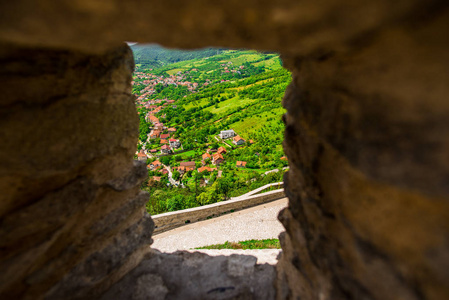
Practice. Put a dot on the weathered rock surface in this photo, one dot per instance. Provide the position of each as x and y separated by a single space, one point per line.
186 275
70 205
294 27
366 136
367 141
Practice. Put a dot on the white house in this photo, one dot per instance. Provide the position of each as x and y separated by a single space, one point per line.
227 134
174 143
165 149
142 156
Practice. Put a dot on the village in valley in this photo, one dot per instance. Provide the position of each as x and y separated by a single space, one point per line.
206 133
163 138
210 160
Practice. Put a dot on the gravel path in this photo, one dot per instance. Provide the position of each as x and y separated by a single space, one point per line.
259 222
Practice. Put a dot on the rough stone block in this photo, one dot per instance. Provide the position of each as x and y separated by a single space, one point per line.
185 275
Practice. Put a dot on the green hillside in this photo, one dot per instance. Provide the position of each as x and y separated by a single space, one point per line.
252 107
212 67
239 90
154 56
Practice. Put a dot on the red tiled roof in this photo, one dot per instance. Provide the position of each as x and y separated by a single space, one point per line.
206 168
155 133
217 156
241 163
238 138
221 150
154 119
187 164
203 169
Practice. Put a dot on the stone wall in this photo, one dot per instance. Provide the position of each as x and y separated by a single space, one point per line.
191 276
72 213
174 219
366 137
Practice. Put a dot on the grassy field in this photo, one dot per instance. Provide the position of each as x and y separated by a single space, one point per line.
243 58
229 142
200 102
251 244
273 63
185 154
244 127
250 85
229 104
174 71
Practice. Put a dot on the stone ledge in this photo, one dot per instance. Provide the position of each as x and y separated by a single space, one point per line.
258 191
170 220
264 256
185 275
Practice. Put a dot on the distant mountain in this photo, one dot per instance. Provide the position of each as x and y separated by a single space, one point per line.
155 56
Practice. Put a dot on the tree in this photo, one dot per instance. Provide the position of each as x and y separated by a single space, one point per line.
224 186
175 203
176 175
209 196
166 160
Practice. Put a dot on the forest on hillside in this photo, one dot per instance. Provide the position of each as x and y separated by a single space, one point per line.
154 56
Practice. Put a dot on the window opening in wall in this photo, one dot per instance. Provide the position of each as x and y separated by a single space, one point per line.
211 131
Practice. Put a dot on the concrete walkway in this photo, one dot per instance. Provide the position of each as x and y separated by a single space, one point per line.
259 222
